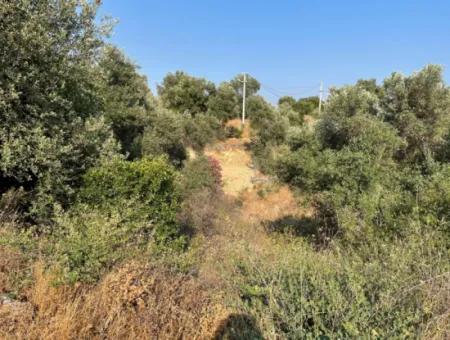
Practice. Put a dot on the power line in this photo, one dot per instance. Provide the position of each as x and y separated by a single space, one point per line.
299 87
279 94
272 92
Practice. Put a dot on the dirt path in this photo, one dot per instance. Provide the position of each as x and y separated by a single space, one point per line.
262 199
242 227
237 171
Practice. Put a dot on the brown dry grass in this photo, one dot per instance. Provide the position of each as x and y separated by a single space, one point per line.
12 264
236 172
133 302
278 202
310 120
237 123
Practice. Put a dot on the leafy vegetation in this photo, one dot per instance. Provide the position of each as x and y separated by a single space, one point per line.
52 128
115 221
390 292
127 101
370 167
303 106
121 207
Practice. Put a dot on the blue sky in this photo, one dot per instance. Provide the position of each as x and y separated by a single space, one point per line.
290 46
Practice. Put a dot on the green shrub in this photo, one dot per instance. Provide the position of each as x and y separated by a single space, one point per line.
148 184
51 128
224 104
122 207
297 136
395 290
89 242
201 130
164 136
371 162
433 199
185 94
295 118
233 132
200 173
201 187
127 100
199 212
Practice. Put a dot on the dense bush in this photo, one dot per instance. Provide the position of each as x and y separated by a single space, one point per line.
147 184
88 242
362 284
252 87
307 106
270 129
122 207
376 178
365 165
127 101
198 214
270 126
201 130
224 105
200 173
164 136
201 186
50 125
302 106
387 290
185 94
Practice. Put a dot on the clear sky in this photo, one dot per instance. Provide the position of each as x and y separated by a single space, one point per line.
290 46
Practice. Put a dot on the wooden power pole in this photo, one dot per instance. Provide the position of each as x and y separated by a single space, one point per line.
320 97
243 97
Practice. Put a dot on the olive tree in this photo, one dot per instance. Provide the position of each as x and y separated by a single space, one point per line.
183 93
127 100
51 126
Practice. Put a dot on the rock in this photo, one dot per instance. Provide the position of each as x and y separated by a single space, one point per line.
5 299
256 180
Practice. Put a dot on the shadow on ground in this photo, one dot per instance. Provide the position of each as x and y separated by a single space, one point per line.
293 225
238 326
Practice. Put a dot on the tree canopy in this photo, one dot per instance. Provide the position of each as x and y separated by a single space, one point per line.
51 128
185 94
127 100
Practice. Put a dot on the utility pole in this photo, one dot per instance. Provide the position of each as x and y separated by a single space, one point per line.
243 98
320 97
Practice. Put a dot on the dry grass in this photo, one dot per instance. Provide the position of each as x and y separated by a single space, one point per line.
237 123
242 181
274 203
310 120
132 302
236 172
12 264
191 153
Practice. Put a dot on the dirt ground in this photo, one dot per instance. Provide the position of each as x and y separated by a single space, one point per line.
236 163
261 198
